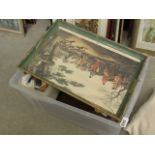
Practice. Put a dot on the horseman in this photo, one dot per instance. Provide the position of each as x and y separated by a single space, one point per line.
106 76
94 68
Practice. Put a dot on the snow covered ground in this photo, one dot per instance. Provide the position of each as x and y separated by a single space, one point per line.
93 90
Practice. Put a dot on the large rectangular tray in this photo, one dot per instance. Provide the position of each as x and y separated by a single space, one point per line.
95 70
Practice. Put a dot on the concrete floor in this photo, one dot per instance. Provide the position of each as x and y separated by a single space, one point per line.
17 116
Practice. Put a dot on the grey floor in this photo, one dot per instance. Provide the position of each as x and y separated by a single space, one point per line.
17 116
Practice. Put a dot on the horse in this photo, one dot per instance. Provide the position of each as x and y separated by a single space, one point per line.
94 68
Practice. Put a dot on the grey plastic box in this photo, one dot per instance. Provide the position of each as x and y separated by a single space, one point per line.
98 124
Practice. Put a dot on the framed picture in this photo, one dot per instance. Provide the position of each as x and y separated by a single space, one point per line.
144 35
90 68
12 25
98 26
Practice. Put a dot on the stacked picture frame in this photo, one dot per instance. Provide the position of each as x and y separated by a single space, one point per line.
12 25
144 36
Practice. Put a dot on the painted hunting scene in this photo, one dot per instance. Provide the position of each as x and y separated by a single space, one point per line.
84 69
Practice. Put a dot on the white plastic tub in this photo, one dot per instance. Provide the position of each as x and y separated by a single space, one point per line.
98 124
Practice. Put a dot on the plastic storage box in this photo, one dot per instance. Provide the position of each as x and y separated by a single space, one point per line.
93 122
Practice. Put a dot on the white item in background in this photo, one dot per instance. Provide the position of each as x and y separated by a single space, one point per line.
72 21
24 81
117 30
102 27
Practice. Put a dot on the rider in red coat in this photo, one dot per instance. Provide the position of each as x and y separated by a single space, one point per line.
94 68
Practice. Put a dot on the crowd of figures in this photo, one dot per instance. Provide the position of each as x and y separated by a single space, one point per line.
109 71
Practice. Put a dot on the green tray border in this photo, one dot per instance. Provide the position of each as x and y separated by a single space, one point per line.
131 52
